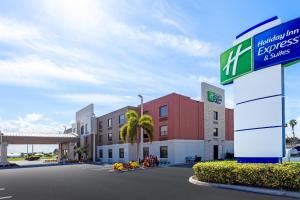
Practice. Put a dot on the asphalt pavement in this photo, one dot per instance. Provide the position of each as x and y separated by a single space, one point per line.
89 182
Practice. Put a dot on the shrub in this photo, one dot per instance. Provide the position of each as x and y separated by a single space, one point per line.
133 165
150 161
32 157
118 166
280 176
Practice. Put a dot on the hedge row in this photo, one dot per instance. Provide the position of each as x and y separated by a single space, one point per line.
280 176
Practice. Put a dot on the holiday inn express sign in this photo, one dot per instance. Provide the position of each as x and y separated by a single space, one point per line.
278 45
255 65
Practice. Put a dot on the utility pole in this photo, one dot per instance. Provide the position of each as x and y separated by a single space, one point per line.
93 128
142 131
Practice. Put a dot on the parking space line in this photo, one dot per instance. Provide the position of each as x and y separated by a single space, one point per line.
7 197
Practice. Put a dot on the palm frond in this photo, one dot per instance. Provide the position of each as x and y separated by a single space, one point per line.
131 114
123 132
146 123
132 125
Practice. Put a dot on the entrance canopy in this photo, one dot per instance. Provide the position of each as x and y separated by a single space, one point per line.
39 138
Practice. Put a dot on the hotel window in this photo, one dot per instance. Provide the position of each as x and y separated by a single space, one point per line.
100 125
216 116
86 131
110 153
120 135
86 140
109 122
216 132
100 153
100 139
121 119
145 152
164 152
82 130
121 153
109 137
146 136
163 111
163 131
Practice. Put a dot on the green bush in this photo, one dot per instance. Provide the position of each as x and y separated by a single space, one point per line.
280 176
32 158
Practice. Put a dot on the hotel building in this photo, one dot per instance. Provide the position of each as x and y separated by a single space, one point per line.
183 128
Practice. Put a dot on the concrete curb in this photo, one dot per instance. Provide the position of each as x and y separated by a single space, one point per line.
267 191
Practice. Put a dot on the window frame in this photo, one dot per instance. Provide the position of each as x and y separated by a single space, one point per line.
216 130
100 125
109 137
160 111
101 153
147 151
109 122
160 130
163 153
110 151
121 153
216 115
123 120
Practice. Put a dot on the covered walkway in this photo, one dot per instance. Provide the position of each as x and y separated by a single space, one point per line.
66 142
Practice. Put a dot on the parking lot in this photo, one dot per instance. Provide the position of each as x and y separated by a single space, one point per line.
95 182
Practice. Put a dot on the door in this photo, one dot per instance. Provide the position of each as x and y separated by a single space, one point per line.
216 152
145 152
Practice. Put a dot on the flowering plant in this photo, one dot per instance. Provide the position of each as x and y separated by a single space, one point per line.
118 166
150 161
133 165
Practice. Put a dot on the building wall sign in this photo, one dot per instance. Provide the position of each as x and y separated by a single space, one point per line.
277 45
214 98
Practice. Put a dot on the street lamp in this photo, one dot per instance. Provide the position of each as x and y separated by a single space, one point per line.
1 139
93 129
1 136
142 132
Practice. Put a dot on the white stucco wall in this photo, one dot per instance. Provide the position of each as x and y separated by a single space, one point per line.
178 150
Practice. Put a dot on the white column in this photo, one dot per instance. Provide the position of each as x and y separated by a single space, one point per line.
71 151
59 152
3 159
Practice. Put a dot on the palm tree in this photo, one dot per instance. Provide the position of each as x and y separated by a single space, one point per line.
129 131
80 151
293 123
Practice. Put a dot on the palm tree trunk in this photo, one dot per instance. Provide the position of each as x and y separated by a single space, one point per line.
138 152
294 141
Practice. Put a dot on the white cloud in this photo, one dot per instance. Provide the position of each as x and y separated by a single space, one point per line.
14 31
33 117
200 79
32 122
97 23
100 99
37 72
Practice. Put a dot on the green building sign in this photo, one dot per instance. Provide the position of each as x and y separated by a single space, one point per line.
213 97
236 61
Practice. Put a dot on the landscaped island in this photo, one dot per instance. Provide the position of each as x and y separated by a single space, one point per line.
279 176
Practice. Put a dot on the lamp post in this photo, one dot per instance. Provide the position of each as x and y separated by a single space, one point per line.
93 129
142 132
1 136
1 150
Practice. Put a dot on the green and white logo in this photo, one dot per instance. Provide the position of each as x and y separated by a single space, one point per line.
236 61
213 97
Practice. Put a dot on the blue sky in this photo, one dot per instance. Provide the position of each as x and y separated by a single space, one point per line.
57 56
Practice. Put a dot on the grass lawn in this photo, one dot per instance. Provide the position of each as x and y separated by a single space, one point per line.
23 158
16 159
